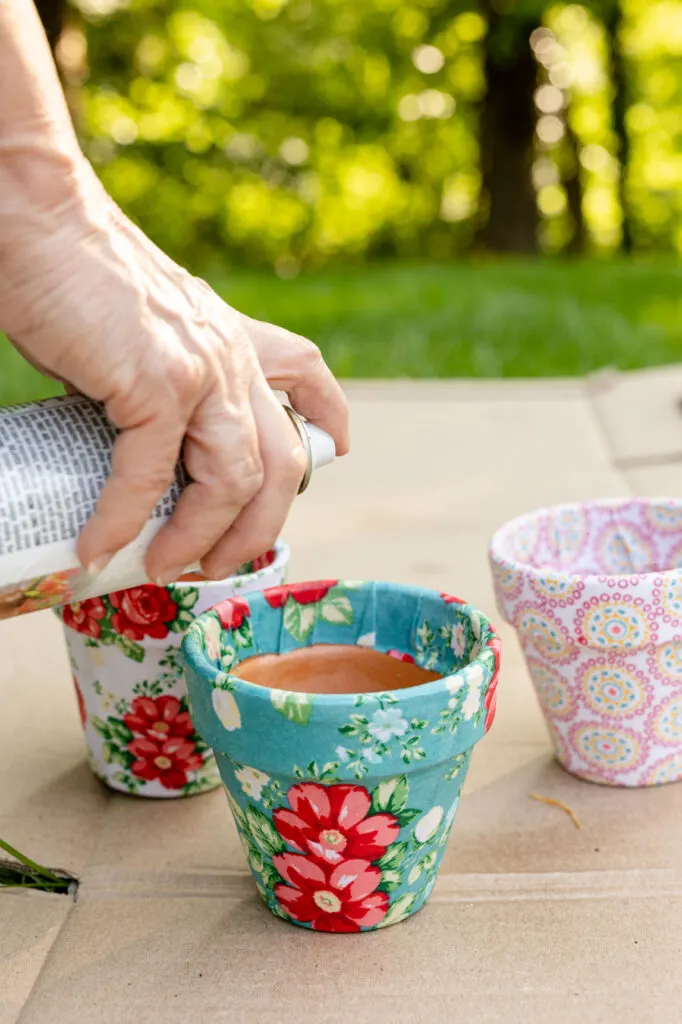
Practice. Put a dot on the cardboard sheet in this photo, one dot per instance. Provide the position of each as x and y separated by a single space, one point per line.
532 920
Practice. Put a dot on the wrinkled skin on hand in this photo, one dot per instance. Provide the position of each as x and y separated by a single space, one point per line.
88 299
100 307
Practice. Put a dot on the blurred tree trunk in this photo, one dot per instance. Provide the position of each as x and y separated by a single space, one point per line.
52 16
507 135
613 20
574 194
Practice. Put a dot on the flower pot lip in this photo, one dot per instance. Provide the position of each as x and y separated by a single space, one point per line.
196 658
281 559
497 544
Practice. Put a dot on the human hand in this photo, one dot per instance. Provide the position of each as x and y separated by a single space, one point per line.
90 300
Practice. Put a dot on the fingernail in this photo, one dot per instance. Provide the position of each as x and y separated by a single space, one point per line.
170 576
98 565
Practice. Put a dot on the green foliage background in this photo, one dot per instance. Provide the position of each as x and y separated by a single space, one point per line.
272 129
301 135
294 133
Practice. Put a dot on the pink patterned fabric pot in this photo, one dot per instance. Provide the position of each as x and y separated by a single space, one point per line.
595 594
124 649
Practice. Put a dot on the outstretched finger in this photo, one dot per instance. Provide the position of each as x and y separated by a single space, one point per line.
293 364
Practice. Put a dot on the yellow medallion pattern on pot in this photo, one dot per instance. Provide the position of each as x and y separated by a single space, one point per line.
554 692
622 549
667 723
602 586
612 690
543 633
557 587
671 596
615 625
605 748
665 516
668 661
668 769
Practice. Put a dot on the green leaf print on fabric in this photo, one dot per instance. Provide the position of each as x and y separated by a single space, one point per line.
299 620
296 707
263 831
336 609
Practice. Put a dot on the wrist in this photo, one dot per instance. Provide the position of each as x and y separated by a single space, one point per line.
39 176
46 209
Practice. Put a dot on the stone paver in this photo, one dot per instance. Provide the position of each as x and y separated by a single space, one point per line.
641 413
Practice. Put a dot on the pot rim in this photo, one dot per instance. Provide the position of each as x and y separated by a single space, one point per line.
238 582
496 545
193 650
282 555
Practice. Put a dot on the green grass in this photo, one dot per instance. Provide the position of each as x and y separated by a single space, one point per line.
497 319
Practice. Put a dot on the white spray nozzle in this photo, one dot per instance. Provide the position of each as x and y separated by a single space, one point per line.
322 447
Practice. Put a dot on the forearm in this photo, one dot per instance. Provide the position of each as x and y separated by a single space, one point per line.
40 160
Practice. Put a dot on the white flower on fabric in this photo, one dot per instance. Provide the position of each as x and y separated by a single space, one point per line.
225 707
387 724
366 640
474 676
252 781
427 826
369 754
454 683
212 633
458 640
342 753
472 703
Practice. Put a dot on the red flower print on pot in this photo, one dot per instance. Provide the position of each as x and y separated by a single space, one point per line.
263 561
86 617
452 600
339 898
158 720
302 593
331 823
232 612
399 656
169 761
143 612
81 703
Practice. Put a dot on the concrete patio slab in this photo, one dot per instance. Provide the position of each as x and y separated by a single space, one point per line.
656 481
641 413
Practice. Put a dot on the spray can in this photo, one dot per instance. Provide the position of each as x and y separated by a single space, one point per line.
55 457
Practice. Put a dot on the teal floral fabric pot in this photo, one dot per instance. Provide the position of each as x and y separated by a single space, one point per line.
343 803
